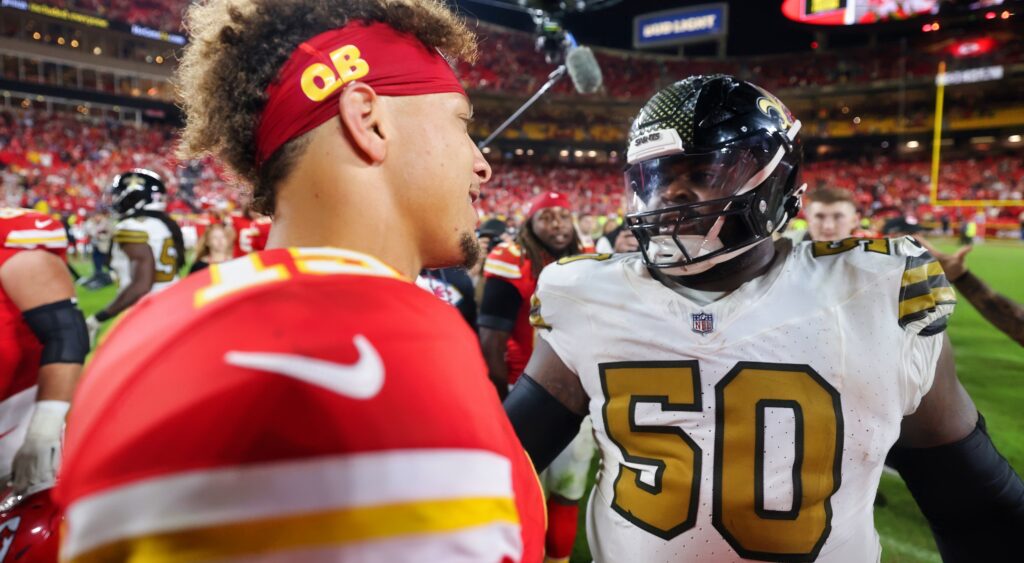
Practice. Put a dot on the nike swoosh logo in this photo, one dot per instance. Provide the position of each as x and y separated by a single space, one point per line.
43 224
361 380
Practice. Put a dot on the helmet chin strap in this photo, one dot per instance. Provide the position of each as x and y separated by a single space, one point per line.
664 247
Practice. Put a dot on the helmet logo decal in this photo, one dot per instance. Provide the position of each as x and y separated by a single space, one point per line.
135 181
768 103
8 539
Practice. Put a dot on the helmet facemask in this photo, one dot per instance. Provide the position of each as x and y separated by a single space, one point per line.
691 212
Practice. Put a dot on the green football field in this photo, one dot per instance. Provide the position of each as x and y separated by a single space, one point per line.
990 365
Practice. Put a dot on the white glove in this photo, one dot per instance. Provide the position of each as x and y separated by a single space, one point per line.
36 462
94 328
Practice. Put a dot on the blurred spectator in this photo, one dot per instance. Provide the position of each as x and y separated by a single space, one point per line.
215 246
100 232
831 214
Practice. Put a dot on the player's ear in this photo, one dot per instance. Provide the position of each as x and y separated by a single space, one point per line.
360 110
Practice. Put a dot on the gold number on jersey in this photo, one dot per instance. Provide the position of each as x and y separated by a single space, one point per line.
831 248
742 397
667 506
167 259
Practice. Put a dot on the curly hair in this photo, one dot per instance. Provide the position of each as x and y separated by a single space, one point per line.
237 48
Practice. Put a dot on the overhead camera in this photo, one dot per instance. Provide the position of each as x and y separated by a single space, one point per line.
552 39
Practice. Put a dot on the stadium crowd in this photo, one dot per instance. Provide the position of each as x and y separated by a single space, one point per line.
67 161
159 14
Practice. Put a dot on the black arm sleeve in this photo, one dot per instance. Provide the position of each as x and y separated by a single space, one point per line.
972 498
60 327
544 425
499 306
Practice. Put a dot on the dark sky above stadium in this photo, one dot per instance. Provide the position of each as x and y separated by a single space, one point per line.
755 27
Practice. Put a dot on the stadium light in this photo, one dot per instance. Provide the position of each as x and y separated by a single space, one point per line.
529 152
519 152
37 36
487 150
578 153
1014 138
913 144
856 120
1006 15
97 51
60 40
592 154
74 43
990 16
565 152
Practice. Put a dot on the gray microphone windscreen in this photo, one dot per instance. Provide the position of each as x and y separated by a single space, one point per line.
584 70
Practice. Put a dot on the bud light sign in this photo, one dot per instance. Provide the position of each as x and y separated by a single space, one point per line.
678 27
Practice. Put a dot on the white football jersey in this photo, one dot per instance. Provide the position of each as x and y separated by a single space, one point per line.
754 427
151 231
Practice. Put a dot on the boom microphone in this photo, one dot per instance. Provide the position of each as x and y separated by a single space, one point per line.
584 70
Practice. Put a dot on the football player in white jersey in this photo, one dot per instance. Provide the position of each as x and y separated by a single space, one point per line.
148 246
744 392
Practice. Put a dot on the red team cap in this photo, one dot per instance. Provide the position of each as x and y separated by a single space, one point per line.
544 201
306 91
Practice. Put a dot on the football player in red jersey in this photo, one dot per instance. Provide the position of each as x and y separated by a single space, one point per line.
43 342
309 402
506 336
510 276
251 231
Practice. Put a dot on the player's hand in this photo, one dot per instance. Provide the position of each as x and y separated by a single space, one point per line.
94 329
626 242
36 462
953 264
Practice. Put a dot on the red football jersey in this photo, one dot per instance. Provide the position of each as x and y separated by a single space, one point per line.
20 230
304 404
508 262
250 234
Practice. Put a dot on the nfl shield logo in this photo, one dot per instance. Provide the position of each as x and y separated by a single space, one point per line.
703 323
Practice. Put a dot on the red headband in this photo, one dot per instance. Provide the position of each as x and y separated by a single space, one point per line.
544 201
306 91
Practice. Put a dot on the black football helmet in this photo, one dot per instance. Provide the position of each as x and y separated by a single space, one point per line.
136 190
713 165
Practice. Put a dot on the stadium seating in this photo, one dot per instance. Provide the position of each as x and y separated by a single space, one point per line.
158 14
68 160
